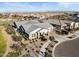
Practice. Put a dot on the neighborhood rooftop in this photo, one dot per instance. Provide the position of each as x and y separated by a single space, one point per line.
58 22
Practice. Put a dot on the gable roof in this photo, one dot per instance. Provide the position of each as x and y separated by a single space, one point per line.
20 23
33 25
29 28
25 22
44 25
58 22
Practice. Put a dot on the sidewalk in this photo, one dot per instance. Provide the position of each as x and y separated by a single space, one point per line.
43 48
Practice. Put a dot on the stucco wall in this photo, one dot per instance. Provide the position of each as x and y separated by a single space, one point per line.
42 31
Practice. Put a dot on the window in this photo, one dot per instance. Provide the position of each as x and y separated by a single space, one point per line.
33 35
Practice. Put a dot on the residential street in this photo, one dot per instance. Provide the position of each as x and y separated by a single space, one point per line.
62 39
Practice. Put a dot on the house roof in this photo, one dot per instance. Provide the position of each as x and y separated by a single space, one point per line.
25 22
20 23
45 25
58 22
33 25
29 28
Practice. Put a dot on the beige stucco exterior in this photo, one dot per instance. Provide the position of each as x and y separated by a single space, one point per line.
35 34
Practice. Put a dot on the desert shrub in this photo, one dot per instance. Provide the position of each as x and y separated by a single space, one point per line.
17 38
51 38
13 54
56 41
16 47
10 30
43 38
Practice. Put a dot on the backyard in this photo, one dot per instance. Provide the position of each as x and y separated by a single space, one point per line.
2 43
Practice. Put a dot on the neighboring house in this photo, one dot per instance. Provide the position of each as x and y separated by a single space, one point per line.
62 24
33 29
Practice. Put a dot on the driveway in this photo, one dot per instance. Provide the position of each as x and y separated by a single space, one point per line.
63 47
68 49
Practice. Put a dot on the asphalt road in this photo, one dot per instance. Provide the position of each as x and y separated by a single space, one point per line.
68 49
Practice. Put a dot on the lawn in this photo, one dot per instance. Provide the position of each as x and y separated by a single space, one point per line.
2 43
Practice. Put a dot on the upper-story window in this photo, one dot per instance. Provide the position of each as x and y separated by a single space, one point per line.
33 35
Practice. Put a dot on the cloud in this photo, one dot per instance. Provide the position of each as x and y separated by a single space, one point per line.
68 4
64 4
46 6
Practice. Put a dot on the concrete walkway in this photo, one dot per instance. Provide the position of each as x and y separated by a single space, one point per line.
43 48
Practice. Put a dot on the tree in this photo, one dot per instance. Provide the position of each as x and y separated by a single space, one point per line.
43 38
49 51
41 43
25 48
51 38
51 45
30 42
15 16
56 41
32 48
46 48
28 52
39 46
37 51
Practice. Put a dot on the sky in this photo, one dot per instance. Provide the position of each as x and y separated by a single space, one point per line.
38 6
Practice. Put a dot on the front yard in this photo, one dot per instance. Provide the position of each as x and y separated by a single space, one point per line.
2 43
